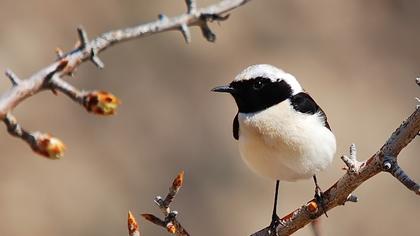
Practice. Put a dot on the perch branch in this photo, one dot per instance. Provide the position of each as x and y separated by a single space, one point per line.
49 78
357 173
170 223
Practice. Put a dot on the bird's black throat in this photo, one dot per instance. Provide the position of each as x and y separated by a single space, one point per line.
259 93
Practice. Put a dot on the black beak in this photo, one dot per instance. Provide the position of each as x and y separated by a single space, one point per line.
223 89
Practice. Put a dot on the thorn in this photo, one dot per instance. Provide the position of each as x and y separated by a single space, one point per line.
13 77
83 39
352 198
95 59
186 33
54 91
207 33
191 6
353 152
210 17
418 81
352 164
59 52
162 17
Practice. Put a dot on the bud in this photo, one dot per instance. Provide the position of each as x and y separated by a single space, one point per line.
101 102
312 207
48 146
133 227
171 228
178 181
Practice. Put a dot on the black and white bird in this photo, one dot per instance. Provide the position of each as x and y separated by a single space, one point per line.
283 134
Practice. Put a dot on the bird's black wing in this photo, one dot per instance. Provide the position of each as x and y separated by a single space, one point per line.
236 127
304 103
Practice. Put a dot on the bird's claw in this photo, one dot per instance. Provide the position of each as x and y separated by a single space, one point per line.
275 221
319 197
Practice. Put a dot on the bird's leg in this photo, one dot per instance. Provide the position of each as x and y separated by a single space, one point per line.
319 196
275 219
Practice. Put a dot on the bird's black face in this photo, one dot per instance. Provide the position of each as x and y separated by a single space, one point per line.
257 94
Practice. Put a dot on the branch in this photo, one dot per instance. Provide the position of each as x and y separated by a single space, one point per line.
40 143
357 173
49 78
170 223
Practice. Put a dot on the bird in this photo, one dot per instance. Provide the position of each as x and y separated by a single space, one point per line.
282 133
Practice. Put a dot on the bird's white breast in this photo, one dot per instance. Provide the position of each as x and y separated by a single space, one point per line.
283 144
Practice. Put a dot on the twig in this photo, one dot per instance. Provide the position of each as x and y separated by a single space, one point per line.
49 78
358 172
170 223
40 143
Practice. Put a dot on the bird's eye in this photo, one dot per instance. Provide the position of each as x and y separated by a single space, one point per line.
258 85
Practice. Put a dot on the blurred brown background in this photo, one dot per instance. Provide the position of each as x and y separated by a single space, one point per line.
358 59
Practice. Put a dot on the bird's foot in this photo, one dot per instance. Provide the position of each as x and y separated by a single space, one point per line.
319 197
275 221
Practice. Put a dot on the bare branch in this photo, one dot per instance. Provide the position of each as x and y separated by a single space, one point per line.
50 76
12 97
43 144
384 160
170 222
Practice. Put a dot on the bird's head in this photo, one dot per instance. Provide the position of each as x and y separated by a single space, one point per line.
259 87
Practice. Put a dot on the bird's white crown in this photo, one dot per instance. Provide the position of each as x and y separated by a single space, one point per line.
271 72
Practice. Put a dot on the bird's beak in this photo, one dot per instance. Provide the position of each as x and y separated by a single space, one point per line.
223 89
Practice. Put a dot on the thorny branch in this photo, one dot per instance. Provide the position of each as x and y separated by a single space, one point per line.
338 194
99 102
385 160
357 173
170 222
